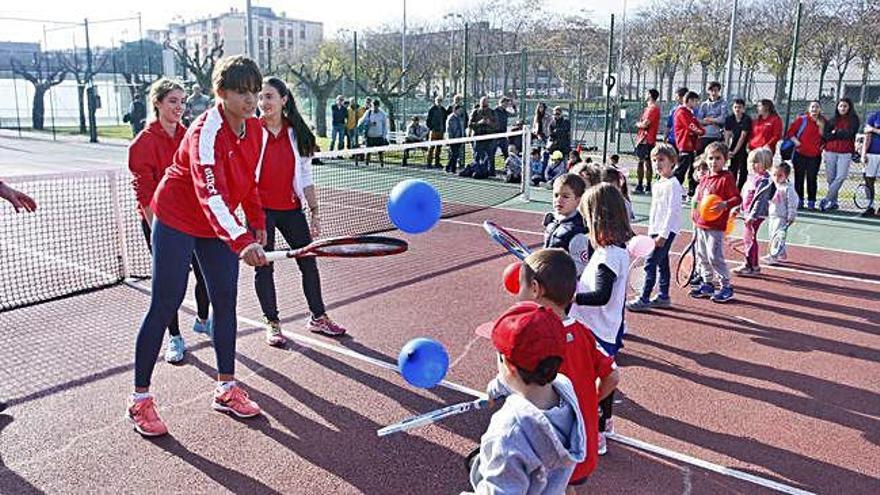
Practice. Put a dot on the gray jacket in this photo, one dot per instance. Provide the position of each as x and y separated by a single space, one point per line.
757 191
377 123
716 110
529 451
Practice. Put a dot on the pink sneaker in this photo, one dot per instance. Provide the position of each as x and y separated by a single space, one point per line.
145 418
274 337
235 400
326 326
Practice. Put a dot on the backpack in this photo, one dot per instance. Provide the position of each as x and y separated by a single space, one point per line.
786 149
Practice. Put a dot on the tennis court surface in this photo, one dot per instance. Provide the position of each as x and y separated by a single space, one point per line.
776 391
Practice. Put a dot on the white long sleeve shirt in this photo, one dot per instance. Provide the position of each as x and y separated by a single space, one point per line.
665 216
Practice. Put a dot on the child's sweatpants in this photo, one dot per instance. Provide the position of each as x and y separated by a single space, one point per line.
710 256
750 238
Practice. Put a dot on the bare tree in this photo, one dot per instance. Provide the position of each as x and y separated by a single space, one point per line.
845 40
43 76
75 63
139 63
320 75
199 62
867 47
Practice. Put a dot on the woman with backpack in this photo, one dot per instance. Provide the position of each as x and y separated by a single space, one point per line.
840 143
805 136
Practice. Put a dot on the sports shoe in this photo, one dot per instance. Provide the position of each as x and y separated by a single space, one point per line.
639 189
745 271
176 349
638 305
823 205
660 302
204 327
603 444
811 205
696 280
723 295
145 419
702 292
326 326
832 207
648 189
800 205
770 260
274 337
868 213
235 400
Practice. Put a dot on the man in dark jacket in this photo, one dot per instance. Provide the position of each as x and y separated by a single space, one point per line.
137 114
501 115
559 133
340 115
436 125
482 122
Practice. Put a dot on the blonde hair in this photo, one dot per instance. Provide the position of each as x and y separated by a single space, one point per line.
762 156
604 210
159 90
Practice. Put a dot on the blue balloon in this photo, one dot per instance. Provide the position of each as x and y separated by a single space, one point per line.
414 206
423 362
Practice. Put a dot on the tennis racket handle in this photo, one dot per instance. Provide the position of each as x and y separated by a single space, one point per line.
276 255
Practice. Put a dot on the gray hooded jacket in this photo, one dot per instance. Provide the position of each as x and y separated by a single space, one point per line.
716 110
529 451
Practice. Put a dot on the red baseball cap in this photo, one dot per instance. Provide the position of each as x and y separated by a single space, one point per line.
526 334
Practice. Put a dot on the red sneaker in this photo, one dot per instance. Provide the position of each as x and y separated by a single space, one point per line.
145 418
235 400
326 326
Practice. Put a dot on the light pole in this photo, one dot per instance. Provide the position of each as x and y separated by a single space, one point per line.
731 45
403 68
452 16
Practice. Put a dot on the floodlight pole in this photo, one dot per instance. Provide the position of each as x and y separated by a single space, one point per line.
608 86
249 27
403 69
793 63
731 46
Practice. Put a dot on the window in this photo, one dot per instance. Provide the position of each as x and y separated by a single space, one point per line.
290 33
302 33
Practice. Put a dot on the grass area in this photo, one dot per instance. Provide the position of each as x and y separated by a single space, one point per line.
107 131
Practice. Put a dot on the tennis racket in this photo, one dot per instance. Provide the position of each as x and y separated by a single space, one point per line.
686 267
777 243
433 416
345 247
506 239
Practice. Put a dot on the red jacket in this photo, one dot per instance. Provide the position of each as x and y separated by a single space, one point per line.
213 172
583 363
687 129
275 182
724 185
811 138
840 133
149 155
649 134
765 132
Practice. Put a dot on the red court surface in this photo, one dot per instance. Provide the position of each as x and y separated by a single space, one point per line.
779 386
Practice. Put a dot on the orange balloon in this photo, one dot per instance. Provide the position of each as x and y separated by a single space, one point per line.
708 202
511 277
731 223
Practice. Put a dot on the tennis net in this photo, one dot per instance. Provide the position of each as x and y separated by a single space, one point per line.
86 233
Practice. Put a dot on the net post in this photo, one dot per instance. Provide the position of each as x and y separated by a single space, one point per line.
112 176
526 166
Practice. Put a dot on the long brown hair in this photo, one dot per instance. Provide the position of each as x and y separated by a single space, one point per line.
605 215
305 139
159 90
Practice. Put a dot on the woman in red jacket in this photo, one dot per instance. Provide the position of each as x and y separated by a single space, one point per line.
211 175
807 152
284 179
149 155
840 143
766 127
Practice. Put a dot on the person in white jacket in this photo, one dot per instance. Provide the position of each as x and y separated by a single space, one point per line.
783 208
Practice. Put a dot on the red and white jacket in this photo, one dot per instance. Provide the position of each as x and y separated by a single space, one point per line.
687 129
149 155
213 172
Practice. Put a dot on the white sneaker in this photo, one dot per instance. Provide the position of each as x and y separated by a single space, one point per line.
603 444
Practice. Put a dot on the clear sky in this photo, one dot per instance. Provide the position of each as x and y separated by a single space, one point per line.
156 14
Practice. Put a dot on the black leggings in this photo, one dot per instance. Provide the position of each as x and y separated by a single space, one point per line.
202 300
295 229
739 167
685 169
806 168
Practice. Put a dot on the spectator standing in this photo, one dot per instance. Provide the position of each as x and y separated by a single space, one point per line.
687 133
374 124
559 133
766 127
416 132
351 111
736 132
339 116
712 114
455 129
436 125
840 144
196 104
137 115
501 115
807 155
646 138
871 158
458 101
482 122
680 94
541 123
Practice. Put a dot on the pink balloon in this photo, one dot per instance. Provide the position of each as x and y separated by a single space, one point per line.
640 246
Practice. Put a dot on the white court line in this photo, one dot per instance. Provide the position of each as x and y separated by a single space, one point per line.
638 444
775 267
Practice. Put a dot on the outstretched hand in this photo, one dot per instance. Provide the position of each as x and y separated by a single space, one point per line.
18 199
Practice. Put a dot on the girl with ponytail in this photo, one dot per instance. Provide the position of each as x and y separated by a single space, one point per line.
284 181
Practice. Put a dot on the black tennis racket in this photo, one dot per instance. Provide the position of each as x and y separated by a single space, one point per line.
686 267
506 239
364 246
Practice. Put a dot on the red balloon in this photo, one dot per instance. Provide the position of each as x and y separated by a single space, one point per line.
511 277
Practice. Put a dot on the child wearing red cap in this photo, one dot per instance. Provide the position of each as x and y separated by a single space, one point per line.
537 437
548 278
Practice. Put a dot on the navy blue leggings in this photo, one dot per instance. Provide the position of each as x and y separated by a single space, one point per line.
172 254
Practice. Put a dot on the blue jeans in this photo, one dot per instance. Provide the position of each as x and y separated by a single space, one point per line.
172 255
338 130
658 261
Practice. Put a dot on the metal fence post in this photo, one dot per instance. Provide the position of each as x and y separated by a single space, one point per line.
608 86
793 64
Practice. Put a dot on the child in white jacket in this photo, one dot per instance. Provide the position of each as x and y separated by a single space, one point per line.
783 207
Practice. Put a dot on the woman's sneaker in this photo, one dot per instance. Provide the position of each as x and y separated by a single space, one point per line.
205 327
704 291
745 271
325 326
234 400
660 302
145 419
176 349
603 444
274 336
638 305
723 295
